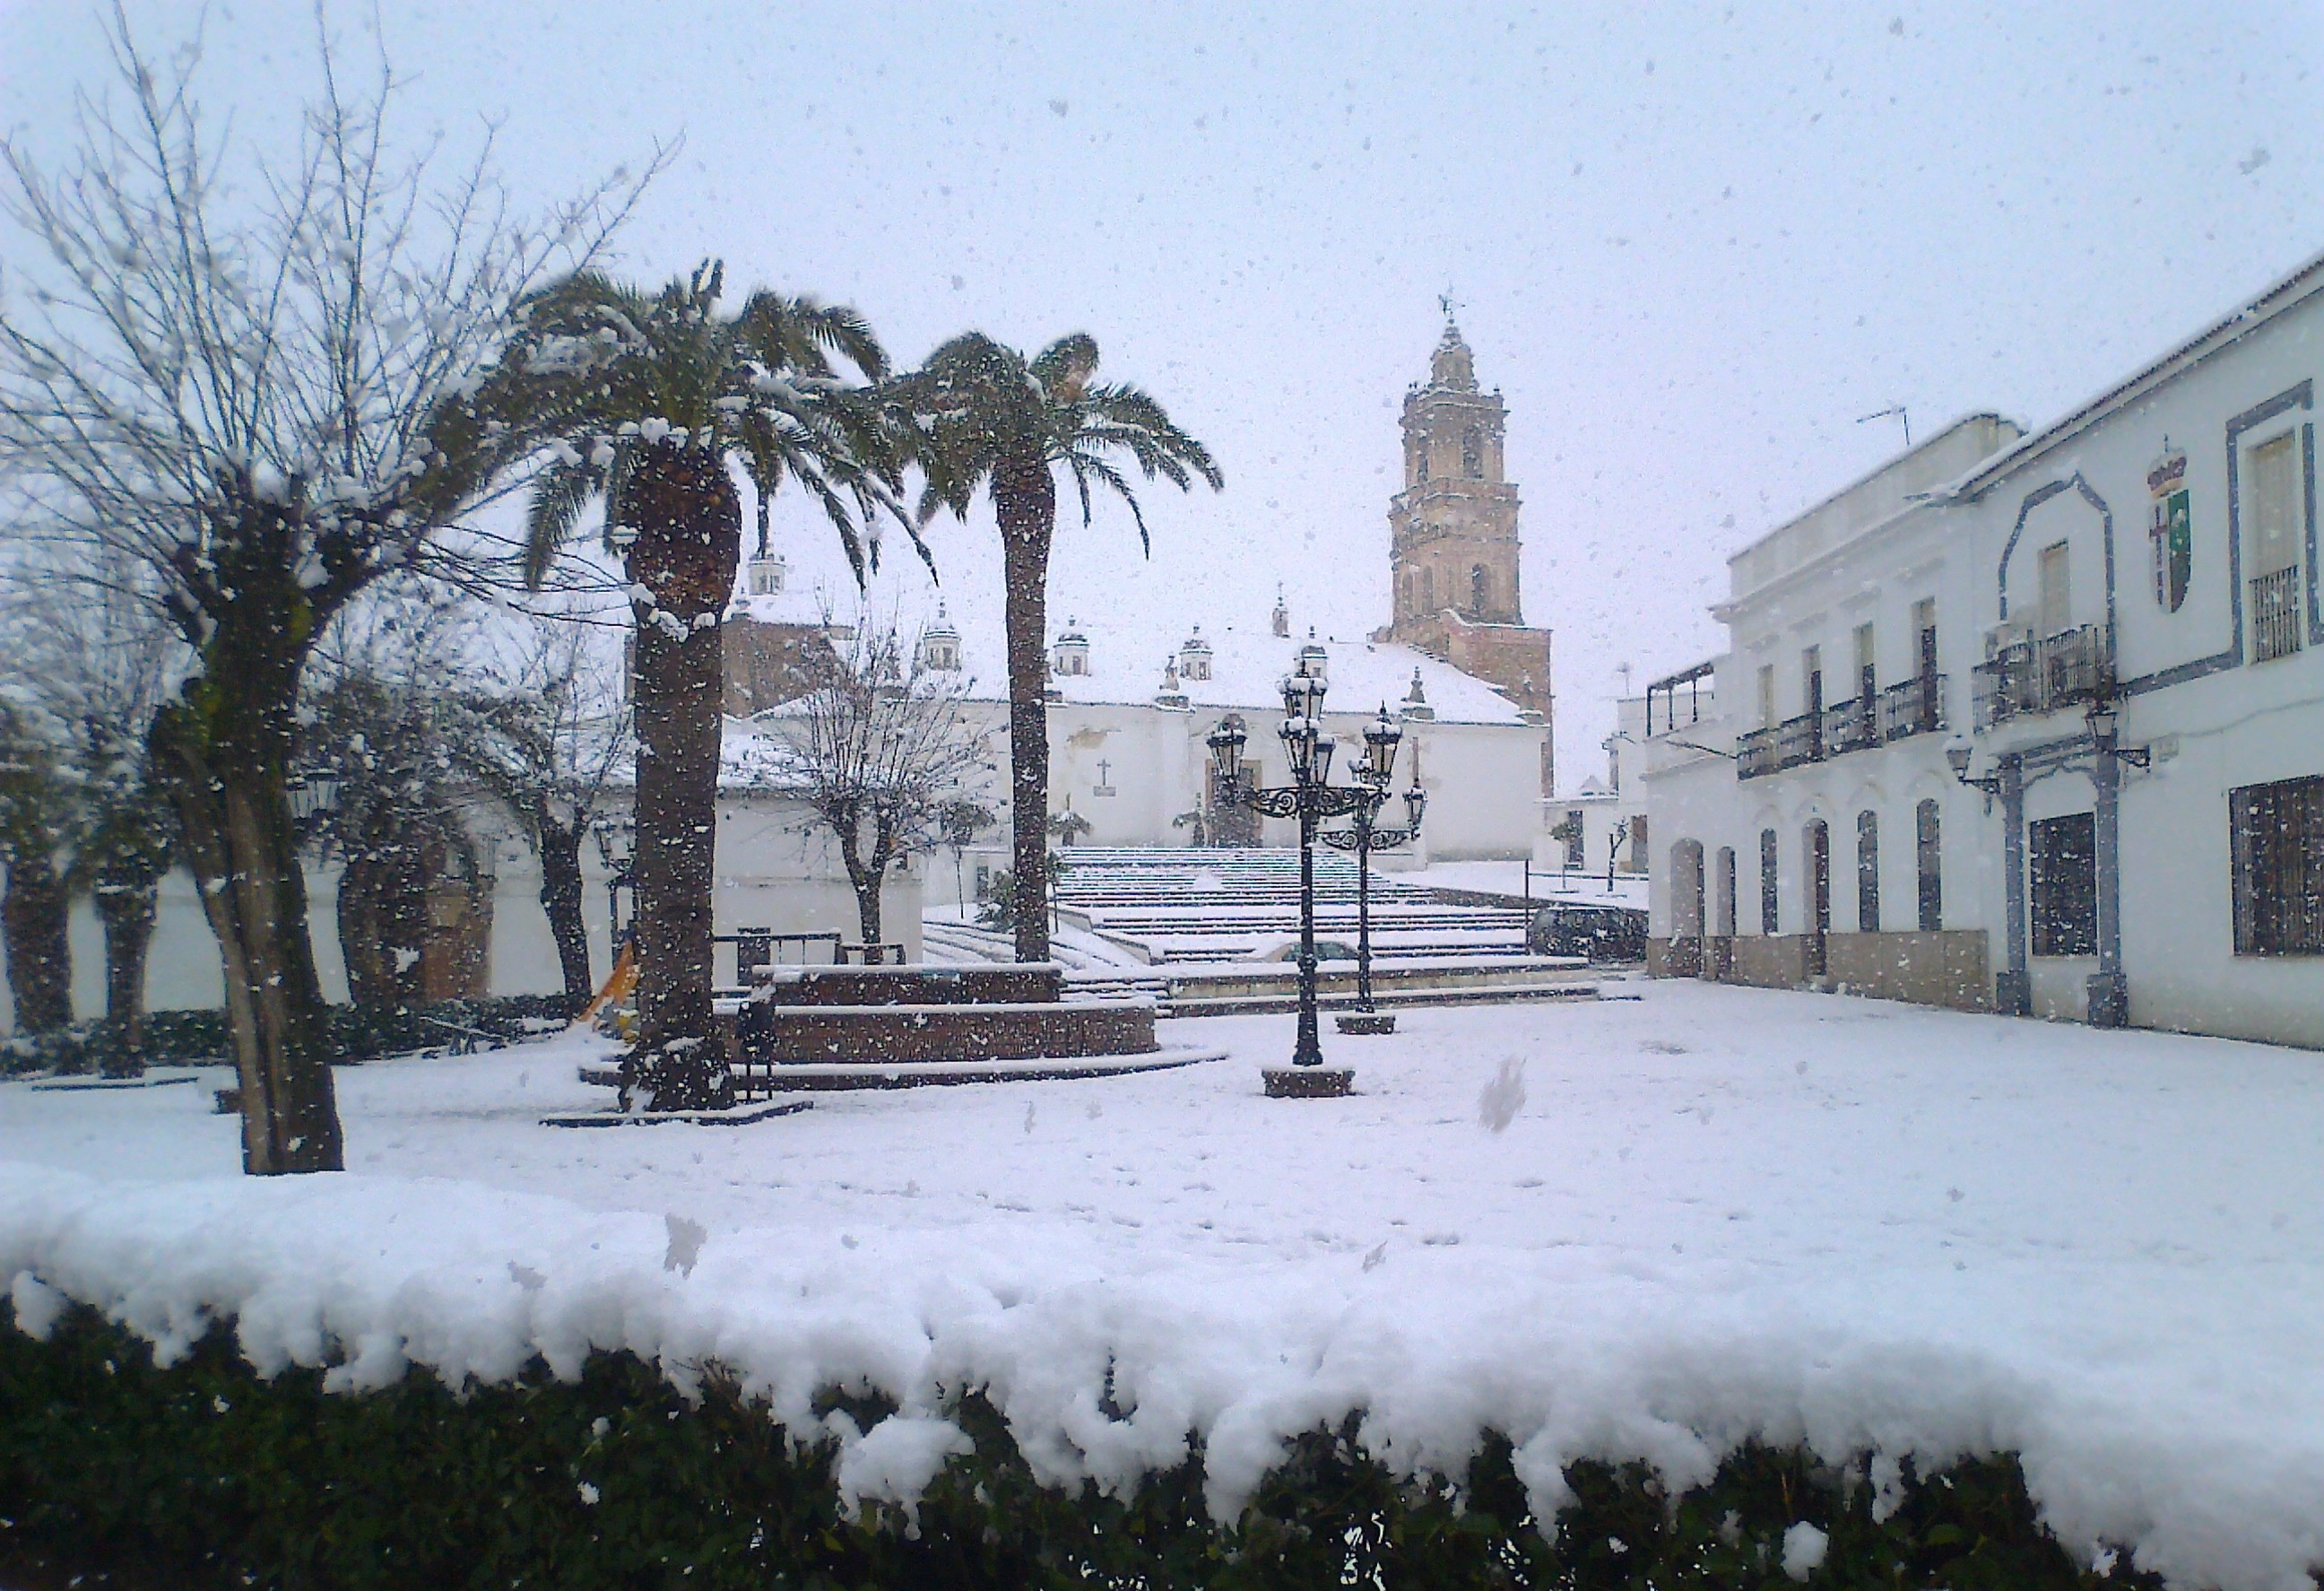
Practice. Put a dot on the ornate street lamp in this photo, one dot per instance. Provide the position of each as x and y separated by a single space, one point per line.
617 847
1363 837
1310 799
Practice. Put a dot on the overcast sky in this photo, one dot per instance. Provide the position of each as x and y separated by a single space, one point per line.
1690 248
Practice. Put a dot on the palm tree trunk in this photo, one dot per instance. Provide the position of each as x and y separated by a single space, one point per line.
1025 502
690 523
33 913
126 906
560 898
221 756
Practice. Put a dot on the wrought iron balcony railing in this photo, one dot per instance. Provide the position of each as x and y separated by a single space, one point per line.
2030 677
1913 707
2276 614
1754 754
1850 726
1799 740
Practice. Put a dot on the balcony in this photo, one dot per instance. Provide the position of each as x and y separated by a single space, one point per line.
2276 614
1851 726
1799 740
2032 677
1913 707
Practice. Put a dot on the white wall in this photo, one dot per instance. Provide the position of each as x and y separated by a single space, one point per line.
2245 722
775 870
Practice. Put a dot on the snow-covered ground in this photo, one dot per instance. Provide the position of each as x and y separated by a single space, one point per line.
1641 1227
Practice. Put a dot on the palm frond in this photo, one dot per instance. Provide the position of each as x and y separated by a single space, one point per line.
559 495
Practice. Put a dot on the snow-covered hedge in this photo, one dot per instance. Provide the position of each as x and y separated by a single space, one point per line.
214 1475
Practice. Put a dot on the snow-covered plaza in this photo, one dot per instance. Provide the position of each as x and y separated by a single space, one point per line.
1649 1226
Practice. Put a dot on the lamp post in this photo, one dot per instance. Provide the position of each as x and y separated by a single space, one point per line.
1310 797
1364 836
617 848
2108 990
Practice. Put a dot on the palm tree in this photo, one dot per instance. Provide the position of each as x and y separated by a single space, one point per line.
985 416
647 403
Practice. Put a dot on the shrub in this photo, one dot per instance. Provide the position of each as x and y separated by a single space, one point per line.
202 1474
358 1033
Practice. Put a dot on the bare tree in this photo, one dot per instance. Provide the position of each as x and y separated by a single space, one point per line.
102 658
882 750
548 734
241 370
373 735
39 815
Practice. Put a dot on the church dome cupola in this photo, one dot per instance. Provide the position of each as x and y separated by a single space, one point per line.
1071 654
940 644
1194 657
766 574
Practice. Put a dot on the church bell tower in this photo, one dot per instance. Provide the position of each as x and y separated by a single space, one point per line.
1454 528
1452 539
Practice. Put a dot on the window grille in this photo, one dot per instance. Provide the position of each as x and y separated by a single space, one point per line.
2065 865
2277 834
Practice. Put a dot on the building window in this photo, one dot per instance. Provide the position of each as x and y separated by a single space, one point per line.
1428 590
1768 891
1867 871
1573 837
1766 696
1812 679
1480 589
2277 832
2065 861
1723 893
1420 462
2275 549
1866 669
1638 851
2057 589
1472 452
1928 866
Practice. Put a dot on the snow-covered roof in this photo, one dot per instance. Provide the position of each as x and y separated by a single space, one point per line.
753 756
1127 657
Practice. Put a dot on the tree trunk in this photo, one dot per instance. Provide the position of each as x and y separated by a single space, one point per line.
383 917
221 755
1025 502
126 906
690 523
34 916
560 898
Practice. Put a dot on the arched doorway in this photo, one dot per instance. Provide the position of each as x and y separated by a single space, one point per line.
1686 909
1722 948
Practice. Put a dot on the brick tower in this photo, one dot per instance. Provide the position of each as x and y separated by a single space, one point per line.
1454 545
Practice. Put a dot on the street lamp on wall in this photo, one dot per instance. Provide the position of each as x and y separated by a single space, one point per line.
2104 721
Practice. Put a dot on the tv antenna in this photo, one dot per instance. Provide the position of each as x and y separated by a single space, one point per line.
1898 410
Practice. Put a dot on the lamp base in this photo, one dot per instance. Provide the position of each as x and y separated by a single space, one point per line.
1309 1082
1366 1021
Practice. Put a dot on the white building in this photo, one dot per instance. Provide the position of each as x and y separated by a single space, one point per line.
2114 624
1130 723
